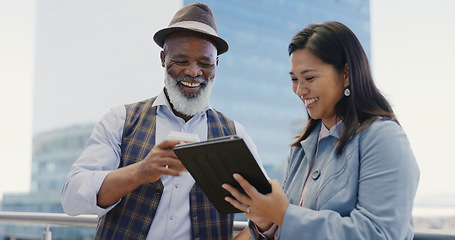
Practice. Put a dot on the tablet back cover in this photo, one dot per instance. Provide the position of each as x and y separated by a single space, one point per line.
213 162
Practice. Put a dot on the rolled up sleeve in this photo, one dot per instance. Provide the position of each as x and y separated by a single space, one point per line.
100 156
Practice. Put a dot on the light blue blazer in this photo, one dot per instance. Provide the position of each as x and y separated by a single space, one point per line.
365 193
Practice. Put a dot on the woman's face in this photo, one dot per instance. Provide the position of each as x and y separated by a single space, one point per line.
317 84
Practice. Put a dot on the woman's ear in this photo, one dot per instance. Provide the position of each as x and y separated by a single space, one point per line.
346 75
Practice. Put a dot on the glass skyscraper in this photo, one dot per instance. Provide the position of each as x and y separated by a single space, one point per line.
253 84
84 48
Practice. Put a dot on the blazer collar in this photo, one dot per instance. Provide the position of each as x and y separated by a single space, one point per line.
339 129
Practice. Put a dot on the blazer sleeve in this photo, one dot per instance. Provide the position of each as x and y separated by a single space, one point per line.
388 179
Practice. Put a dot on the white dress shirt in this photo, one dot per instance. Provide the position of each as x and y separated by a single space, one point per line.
102 155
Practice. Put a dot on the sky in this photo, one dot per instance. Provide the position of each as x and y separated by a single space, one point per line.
17 23
412 60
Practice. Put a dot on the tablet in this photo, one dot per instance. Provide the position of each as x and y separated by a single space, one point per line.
213 162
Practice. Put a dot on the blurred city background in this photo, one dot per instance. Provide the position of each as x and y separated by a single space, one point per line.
63 64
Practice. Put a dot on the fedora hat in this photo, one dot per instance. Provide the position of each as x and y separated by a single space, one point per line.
196 17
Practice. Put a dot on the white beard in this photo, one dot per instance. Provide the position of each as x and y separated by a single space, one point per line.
190 104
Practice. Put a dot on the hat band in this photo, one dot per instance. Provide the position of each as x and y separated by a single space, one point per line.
195 25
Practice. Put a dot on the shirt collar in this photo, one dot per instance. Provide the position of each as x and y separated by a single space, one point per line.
333 131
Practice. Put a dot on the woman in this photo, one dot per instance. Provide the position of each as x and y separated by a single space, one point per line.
352 173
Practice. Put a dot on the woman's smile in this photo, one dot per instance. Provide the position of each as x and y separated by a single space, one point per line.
310 102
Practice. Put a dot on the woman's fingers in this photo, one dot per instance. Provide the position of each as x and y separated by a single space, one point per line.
237 194
237 204
239 200
247 187
240 206
270 207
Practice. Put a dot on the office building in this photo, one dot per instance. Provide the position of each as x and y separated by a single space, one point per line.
53 154
92 56
253 84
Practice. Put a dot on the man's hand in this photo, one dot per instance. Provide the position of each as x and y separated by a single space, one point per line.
160 160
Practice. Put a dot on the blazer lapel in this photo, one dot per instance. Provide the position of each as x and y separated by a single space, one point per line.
302 166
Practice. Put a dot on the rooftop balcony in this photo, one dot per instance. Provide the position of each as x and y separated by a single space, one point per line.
46 220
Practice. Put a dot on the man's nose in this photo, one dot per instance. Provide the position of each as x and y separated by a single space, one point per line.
193 70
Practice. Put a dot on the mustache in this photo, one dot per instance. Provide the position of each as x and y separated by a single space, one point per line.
198 79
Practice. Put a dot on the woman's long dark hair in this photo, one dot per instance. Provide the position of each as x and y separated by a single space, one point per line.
337 45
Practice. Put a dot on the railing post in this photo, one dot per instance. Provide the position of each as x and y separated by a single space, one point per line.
47 235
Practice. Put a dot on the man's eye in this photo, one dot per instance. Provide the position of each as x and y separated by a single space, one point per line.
294 79
205 65
309 78
180 62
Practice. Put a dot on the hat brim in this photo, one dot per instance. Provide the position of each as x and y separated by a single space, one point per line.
222 45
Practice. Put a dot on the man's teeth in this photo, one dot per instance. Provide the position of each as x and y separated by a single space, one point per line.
310 101
191 84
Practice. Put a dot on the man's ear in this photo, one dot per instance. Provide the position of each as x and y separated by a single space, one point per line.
162 57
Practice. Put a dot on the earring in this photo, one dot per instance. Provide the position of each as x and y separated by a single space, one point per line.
347 92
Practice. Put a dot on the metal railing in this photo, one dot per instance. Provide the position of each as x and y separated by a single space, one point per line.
50 218
91 221
84 220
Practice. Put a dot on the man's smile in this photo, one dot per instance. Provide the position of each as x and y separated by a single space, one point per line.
190 84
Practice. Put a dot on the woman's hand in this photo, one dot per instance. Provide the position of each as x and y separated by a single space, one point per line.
259 208
262 223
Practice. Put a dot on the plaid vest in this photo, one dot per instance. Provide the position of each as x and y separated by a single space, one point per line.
132 217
